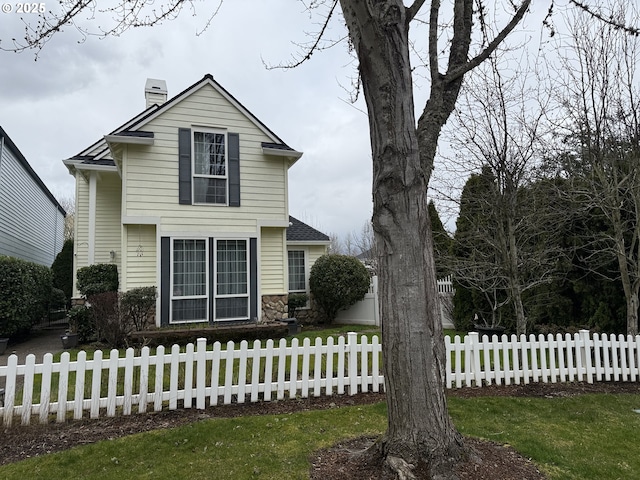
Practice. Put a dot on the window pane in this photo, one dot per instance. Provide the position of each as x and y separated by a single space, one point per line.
297 278
189 268
189 310
209 190
232 307
231 267
209 153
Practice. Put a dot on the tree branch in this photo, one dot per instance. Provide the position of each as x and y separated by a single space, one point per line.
460 70
413 9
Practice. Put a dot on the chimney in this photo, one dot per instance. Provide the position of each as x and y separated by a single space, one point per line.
155 92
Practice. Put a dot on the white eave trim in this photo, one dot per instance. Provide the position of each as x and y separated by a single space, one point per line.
135 220
273 223
70 164
278 152
127 139
308 242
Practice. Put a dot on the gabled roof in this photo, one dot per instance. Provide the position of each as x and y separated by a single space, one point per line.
132 130
8 143
301 232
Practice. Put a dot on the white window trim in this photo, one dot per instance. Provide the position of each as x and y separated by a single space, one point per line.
215 276
188 297
194 175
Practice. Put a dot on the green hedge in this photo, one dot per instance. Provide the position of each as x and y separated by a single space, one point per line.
26 291
337 282
62 269
98 278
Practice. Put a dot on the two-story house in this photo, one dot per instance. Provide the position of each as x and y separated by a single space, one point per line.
190 196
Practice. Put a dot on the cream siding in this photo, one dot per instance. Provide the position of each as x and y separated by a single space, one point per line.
151 172
108 223
315 252
273 261
141 257
81 226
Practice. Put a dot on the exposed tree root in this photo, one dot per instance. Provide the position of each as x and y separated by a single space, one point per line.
403 469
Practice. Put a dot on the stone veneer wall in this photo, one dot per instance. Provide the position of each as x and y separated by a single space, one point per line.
313 314
274 308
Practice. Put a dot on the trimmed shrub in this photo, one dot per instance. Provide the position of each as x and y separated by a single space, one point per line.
62 270
105 312
337 282
136 307
98 278
26 291
57 300
296 301
81 322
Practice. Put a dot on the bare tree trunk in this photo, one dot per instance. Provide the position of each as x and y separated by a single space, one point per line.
420 429
515 286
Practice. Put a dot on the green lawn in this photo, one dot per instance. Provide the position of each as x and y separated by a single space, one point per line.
584 437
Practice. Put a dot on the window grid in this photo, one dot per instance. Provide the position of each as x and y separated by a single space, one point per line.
209 167
232 286
190 285
297 277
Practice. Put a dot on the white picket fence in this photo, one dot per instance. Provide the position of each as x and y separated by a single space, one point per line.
197 377
516 360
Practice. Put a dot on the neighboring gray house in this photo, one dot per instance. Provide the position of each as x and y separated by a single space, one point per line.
31 219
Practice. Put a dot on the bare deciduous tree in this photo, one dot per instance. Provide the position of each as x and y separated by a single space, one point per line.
601 100
69 205
499 128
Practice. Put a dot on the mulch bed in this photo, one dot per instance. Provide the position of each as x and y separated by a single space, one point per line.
491 461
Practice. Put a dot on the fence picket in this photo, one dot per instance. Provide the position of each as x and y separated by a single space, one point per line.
45 388
215 373
27 389
317 367
81 366
328 387
375 361
242 372
282 367
348 364
293 369
159 381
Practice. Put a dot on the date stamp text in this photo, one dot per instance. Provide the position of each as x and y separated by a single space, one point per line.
27 7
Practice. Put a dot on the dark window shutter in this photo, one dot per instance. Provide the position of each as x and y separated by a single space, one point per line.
184 166
234 169
165 280
253 278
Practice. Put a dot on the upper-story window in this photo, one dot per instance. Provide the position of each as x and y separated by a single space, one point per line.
210 167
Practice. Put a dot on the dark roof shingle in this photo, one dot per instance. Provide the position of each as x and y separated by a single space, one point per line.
301 232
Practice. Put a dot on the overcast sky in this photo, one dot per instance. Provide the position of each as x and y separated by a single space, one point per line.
77 91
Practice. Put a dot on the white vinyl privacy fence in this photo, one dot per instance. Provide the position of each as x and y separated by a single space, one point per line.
198 377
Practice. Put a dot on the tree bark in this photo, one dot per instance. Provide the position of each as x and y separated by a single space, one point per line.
420 431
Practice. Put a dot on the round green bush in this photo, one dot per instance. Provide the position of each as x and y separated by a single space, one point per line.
337 282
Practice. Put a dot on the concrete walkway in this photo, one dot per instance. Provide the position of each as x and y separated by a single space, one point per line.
40 341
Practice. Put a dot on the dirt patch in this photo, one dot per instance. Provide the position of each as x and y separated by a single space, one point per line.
491 462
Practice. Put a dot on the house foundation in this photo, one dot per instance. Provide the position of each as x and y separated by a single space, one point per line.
274 308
